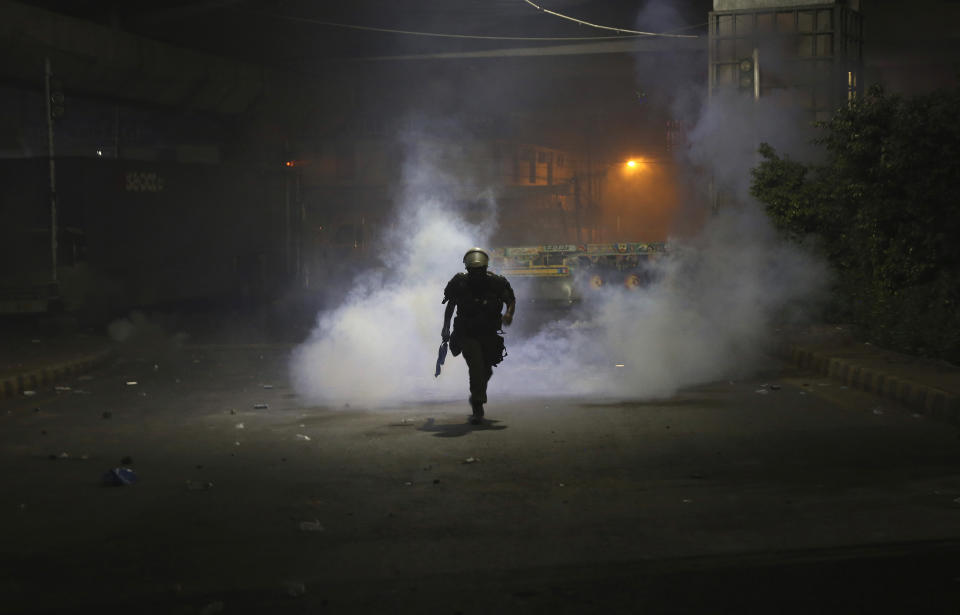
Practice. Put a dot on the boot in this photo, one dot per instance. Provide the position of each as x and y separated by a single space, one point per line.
477 407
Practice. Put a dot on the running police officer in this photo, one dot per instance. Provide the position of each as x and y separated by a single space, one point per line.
478 296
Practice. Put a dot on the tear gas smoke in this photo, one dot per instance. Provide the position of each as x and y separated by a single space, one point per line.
709 314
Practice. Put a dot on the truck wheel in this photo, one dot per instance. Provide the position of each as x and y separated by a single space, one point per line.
632 281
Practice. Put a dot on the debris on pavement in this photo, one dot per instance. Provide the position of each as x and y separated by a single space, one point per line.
878 410
118 477
260 406
471 460
60 388
29 393
268 386
131 383
303 437
765 388
311 526
238 426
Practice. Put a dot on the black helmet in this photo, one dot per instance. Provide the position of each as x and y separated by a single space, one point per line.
476 257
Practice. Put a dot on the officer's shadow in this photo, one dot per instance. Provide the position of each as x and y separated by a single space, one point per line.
455 430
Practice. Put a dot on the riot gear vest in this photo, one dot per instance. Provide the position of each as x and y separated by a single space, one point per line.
479 302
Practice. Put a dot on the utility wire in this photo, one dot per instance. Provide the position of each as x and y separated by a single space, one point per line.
593 25
631 33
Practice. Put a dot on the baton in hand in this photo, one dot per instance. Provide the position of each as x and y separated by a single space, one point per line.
441 357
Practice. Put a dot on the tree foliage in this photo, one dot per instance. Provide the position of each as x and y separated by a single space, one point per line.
884 209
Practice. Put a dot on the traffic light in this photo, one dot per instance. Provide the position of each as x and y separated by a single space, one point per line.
56 99
746 74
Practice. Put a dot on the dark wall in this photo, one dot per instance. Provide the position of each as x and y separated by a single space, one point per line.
148 233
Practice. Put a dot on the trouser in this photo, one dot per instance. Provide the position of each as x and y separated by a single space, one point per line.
480 366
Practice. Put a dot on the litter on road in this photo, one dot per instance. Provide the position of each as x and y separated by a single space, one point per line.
302 437
259 406
471 460
131 383
61 388
238 426
29 393
118 477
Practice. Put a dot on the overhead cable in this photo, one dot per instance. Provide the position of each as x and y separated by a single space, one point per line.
593 25
628 33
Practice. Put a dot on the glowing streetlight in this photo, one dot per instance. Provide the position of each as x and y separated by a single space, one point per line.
632 164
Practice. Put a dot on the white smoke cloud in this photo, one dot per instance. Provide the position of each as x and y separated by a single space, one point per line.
710 314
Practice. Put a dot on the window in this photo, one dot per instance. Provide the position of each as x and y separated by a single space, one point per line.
725 50
824 20
541 157
765 22
727 74
824 44
725 25
785 22
805 21
560 160
744 24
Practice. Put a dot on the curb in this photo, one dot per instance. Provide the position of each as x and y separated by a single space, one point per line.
922 398
17 383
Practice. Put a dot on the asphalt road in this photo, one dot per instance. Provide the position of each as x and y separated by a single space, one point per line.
805 498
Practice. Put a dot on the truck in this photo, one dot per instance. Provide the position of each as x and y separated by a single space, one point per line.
569 273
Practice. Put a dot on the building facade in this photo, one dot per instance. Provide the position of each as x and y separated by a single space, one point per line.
810 51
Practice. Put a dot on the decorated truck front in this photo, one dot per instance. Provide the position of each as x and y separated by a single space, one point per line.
567 273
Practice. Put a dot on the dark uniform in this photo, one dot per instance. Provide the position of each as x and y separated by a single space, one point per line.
479 301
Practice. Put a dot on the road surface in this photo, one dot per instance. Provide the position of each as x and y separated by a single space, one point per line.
798 496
